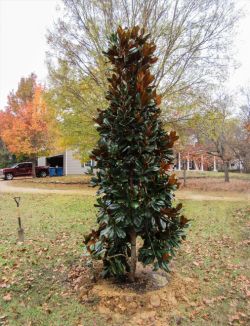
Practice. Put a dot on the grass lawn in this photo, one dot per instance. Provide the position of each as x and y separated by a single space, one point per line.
196 180
212 174
71 179
64 182
34 288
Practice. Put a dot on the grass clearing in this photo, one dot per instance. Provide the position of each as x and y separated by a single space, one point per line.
196 180
34 273
64 182
33 277
217 185
213 174
217 252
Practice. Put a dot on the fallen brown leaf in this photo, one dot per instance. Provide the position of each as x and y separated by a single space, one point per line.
7 297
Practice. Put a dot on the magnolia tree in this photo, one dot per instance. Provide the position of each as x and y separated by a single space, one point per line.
134 156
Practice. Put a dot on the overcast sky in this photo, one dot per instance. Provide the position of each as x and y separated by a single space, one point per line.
23 25
241 48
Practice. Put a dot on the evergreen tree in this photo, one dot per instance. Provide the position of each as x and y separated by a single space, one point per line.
134 157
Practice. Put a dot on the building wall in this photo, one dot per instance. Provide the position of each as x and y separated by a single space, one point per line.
73 165
41 161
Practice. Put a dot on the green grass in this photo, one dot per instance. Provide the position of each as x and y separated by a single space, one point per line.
54 228
81 182
34 274
216 253
64 182
212 174
70 179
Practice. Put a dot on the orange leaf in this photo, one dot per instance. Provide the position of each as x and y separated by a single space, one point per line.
184 220
172 180
165 256
158 100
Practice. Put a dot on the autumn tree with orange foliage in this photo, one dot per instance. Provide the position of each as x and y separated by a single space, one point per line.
199 155
24 125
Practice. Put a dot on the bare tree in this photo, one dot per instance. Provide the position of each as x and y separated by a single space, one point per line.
241 136
192 38
245 109
216 130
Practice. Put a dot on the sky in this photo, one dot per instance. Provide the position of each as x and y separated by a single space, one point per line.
241 48
23 26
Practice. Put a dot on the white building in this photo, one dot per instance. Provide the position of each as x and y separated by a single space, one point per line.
67 161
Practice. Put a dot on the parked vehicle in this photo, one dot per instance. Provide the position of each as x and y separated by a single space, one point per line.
23 170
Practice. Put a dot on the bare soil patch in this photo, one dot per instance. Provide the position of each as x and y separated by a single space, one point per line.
153 299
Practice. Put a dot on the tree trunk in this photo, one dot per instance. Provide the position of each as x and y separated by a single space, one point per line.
33 160
226 171
133 259
132 234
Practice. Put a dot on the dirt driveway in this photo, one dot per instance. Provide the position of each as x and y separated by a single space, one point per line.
7 187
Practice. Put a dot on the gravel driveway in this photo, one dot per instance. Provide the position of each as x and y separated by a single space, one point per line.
7 187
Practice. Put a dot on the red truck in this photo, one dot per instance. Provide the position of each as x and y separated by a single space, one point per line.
23 170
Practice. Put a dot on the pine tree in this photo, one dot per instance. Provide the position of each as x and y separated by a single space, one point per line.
134 156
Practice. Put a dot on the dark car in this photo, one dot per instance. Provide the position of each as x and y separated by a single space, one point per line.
23 170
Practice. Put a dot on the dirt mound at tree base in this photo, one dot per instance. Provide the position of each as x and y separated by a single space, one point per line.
153 299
